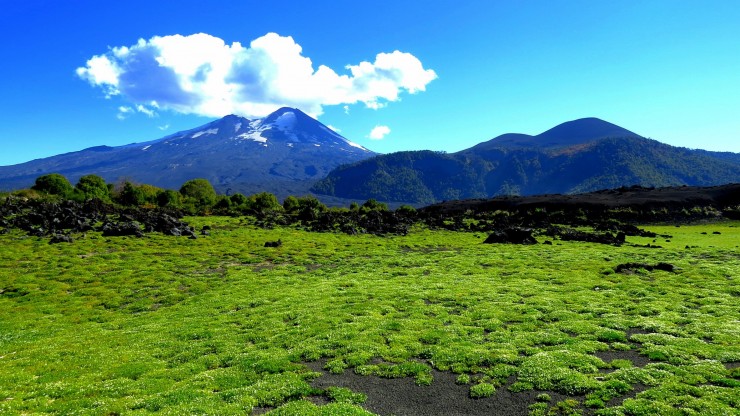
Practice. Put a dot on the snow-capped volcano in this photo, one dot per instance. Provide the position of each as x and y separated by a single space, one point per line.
284 126
283 152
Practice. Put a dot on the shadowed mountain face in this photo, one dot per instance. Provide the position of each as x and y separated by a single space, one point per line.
577 132
578 156
283 153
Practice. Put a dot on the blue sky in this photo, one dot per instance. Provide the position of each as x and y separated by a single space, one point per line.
466 71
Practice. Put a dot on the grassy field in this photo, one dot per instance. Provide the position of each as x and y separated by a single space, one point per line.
222 325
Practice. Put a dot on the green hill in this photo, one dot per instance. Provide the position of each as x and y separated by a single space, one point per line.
577 156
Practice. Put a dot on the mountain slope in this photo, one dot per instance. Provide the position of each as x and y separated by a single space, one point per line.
282 153
420 177
578 156
571 133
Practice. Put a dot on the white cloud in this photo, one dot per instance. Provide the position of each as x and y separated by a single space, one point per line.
103 72
148 111
201 74
379 132
334 129
346 109
165 127
123 112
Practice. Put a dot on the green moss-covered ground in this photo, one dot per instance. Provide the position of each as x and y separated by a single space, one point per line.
222 325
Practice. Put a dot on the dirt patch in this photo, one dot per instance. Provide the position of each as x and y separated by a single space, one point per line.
631 268
636 389
732 365
427 250
401 396
637 359
635 331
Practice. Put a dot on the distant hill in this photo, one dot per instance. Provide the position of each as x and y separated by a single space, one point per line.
578 156
283 153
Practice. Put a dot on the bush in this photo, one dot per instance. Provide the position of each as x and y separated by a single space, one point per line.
131 195
264 202
238 199
150 193
307 208
373 205
92 187
168 198
291 205
53 184
223 205
406 210
200 192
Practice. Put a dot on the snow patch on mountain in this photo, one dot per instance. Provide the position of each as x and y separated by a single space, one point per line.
353 144
286 121
256 136
204 132
330 131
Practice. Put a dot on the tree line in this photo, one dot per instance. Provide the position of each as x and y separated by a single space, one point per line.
195 197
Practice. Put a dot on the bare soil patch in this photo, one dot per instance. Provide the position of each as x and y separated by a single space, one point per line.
401 396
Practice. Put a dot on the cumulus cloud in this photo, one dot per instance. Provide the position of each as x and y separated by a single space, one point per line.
379 132
201 74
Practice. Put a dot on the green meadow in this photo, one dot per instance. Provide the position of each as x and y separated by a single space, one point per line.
222 325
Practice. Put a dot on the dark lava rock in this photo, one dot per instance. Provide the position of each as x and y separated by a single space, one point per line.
60 238
511 235
122 229
277 243
631 267
571 234
41 218
190 233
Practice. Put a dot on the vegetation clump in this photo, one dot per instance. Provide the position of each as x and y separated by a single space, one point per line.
482 390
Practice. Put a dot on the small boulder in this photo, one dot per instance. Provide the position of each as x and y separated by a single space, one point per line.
123 229
632 267
60 238
512 235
